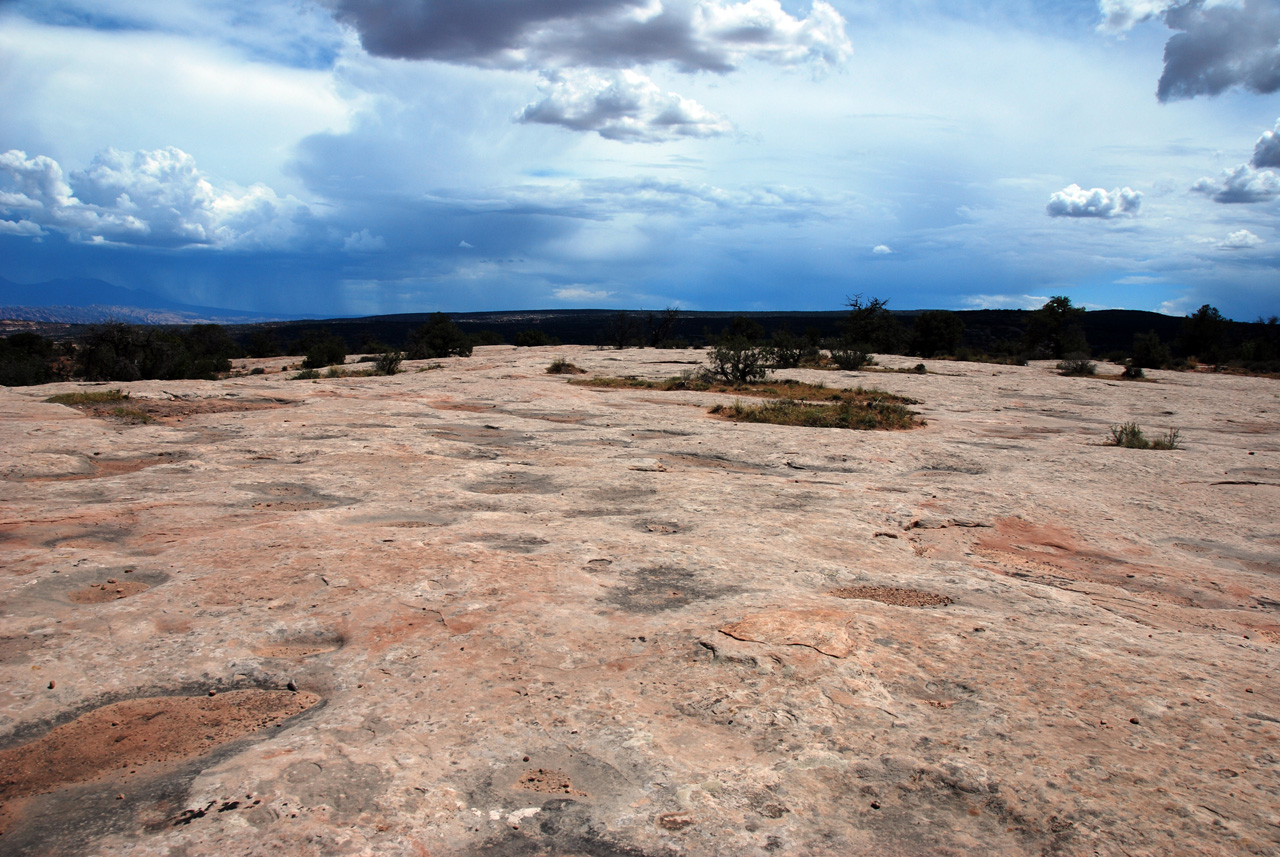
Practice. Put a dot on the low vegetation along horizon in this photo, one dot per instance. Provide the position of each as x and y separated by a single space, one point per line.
790 403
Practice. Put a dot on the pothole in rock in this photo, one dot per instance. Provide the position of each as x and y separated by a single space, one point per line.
301 646
659 588
548 781
291 497
113 589
515 483
86 586
660 528
893 595
47 785
93 466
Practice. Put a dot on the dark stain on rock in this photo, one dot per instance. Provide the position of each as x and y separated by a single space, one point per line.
659 588
123 764
515 482
292 497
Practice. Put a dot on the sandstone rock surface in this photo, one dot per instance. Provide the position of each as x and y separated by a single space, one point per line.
477 610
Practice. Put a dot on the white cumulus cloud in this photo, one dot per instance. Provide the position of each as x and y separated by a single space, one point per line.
1075 201
1241 240
882 249
1121 15
364 241
621 105
156 198
1243 184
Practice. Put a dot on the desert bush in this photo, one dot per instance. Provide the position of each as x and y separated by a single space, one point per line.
439 337
307 375
736 357
323 349
738 362
388 362
560 366
851 359
532 337
257 370
1079 366
26 359
1133 373
1149 351
1054 330
936 332
1130 436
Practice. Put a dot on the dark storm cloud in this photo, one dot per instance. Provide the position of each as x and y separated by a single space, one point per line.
705 35
1267 151
1220 47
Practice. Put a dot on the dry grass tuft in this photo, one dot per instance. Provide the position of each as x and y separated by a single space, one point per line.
88 397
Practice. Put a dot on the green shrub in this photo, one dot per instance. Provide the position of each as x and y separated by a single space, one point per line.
851 359
1079 366
1130 436
737 361
325 350
439 337
388 362
560 366
307 375
257 370
1133 373
532 337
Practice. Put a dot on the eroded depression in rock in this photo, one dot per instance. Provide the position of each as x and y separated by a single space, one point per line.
137 737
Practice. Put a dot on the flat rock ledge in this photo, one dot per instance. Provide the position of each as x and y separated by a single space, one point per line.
472 609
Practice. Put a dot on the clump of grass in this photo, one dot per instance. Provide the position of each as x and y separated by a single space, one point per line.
132 415
1077 366
560 366
88 397
1130 436
865 410
776 389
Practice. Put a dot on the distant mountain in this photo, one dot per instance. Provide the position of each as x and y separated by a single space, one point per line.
88 301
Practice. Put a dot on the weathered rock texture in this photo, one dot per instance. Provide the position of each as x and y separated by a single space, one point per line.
477 610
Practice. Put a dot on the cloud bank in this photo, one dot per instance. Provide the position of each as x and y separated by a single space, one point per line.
621 105
694 35
145 198
1075 201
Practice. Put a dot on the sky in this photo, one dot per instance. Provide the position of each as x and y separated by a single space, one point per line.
357 157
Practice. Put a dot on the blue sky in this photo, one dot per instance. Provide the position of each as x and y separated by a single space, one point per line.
378 156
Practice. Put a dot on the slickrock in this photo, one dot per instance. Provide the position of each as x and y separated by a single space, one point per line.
473 609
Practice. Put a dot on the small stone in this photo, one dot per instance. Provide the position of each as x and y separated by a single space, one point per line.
54 684
292 685
213 693
1133 720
